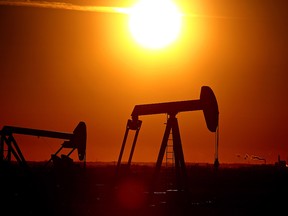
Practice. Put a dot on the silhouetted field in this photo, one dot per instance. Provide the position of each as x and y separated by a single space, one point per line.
95 190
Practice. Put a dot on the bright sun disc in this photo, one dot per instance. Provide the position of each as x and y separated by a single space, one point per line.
155 23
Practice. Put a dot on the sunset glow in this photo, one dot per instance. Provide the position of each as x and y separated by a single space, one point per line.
155 24
63 62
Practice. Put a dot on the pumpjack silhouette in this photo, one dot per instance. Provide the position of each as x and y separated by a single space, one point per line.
207 103
73 141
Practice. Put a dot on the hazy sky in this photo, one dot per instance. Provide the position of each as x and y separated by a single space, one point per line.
62 66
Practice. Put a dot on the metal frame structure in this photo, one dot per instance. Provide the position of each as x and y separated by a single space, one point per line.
207 103
9 146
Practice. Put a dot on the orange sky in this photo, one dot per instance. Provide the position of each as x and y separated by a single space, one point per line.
59 67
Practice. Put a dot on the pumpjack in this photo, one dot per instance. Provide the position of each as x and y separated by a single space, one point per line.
73 141
207 103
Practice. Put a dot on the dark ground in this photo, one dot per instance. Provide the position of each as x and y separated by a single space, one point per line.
242 190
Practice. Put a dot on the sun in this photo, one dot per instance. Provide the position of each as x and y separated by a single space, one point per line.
155 24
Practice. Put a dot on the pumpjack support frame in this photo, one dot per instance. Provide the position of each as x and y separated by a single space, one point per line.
75 140
207 103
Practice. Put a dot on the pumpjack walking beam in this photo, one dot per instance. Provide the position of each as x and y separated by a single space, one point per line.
207 103
75 140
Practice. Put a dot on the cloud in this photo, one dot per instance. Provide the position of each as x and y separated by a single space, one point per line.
91 8
64 6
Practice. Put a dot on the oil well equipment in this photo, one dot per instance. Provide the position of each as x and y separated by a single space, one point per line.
74 141
207 103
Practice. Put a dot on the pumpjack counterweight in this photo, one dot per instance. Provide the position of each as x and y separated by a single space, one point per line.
207 103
